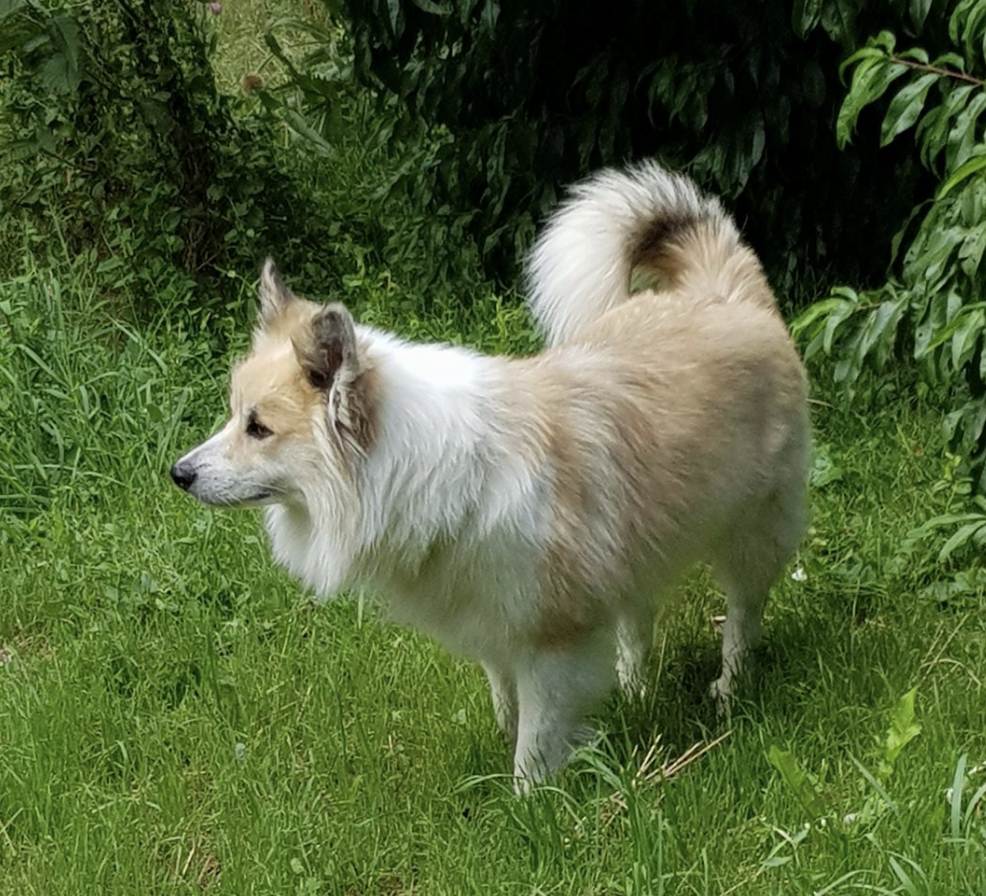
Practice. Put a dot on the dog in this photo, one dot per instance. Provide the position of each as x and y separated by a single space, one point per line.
533 513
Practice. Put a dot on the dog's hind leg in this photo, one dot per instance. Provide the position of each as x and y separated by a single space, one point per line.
740 634
748 562
556 689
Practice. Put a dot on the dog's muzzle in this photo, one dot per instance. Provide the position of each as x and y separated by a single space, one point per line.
183 475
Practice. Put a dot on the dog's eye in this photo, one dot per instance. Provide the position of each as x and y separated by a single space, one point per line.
256 430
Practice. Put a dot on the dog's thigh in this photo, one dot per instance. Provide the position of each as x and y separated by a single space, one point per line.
556 689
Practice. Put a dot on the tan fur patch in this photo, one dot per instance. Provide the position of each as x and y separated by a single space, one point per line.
645 440
271 381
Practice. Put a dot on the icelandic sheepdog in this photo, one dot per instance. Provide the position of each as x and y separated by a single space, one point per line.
533 513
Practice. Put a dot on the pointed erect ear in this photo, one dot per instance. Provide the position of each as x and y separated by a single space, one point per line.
328 351
274 295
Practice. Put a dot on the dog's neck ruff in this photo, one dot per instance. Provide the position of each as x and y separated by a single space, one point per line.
441 469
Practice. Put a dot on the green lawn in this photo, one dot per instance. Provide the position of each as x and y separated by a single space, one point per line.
176 715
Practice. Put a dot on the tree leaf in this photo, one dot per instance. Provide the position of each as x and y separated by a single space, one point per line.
805 15
929 328
968 23
967 337
883 334
820 309
61 72
489 15
434 9
867 52
9 7
838 18
952 327
971 251
395 17
905 108
918 10
871 79
964 171
962 137
832 324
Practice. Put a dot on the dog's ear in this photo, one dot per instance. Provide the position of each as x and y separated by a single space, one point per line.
328 353
274 295
329 356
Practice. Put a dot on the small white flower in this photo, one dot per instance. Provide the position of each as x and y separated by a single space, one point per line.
799 575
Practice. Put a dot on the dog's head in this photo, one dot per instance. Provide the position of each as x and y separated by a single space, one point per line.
300 409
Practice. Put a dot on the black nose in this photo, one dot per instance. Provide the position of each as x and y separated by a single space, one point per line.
183 475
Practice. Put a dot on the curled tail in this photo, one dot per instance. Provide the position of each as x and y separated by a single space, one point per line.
643 217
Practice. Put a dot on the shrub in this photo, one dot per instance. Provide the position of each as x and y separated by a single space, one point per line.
118 141
933 308
520 98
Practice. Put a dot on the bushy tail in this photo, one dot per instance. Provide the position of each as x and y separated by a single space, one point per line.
644 217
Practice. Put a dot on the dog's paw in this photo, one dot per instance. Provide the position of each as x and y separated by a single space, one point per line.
586 737
721 691
632 682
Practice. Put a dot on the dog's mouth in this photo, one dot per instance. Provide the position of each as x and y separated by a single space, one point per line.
230 499
231 502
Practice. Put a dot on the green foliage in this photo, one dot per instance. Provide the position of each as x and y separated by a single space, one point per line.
345 154
117 140
969 530
934 308
319 84
903 729
514 100
803 785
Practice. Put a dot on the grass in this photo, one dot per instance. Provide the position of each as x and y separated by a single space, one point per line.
176 716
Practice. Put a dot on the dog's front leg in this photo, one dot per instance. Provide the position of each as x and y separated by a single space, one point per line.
634 636
556 689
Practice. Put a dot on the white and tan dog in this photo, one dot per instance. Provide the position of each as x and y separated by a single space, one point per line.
532 513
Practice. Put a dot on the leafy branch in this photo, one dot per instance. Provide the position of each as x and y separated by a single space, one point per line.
932 308
938 70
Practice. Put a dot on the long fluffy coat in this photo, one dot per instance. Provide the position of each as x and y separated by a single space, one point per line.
532 513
